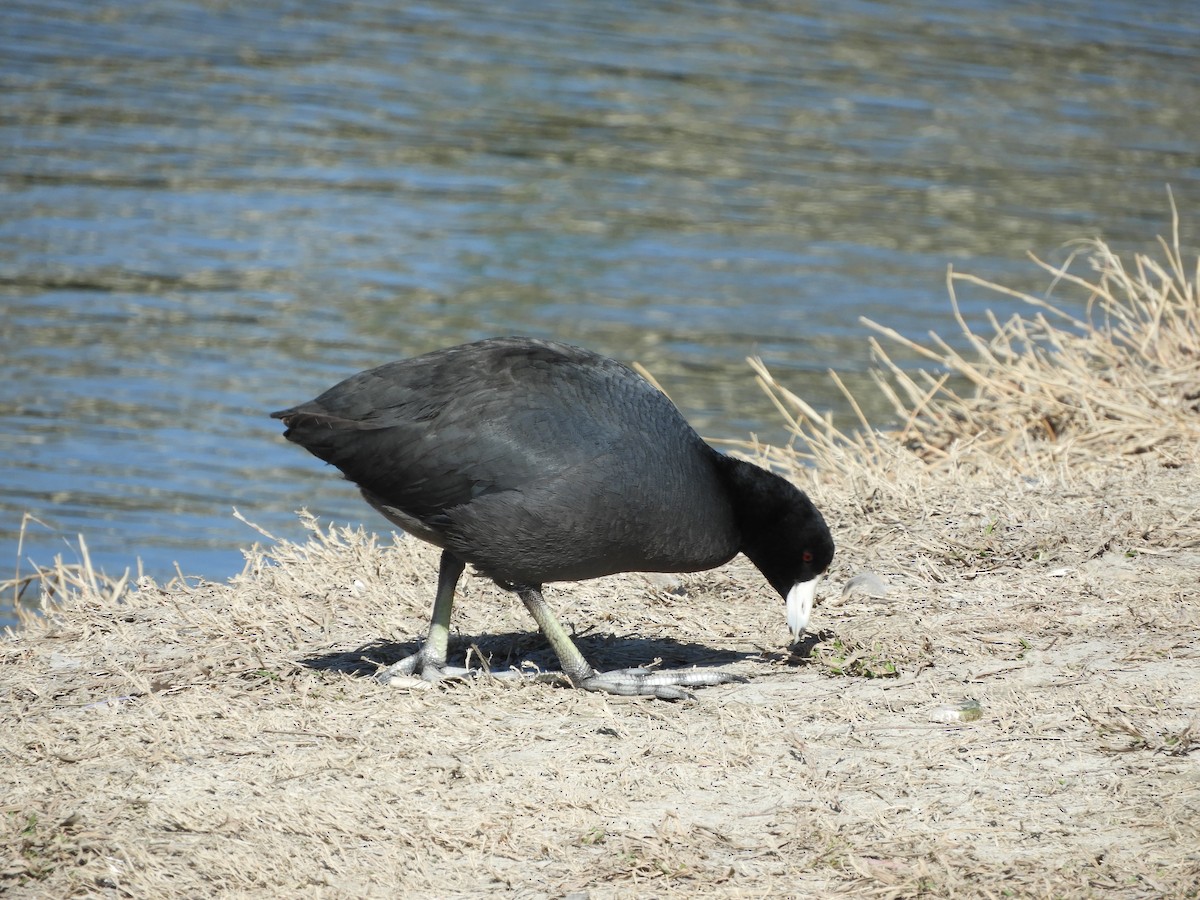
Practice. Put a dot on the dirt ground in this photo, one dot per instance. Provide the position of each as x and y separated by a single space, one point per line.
1000 696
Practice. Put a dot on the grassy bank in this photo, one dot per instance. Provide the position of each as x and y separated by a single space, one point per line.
1000 697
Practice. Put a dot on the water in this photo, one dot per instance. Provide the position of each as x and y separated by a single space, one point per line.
212 210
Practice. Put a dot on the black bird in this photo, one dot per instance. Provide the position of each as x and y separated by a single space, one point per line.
536 461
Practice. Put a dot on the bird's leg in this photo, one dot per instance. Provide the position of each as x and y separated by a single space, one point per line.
668 685
430 661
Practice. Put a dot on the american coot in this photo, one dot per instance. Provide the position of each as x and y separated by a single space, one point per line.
536 461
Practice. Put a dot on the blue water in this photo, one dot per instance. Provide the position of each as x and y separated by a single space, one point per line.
214 210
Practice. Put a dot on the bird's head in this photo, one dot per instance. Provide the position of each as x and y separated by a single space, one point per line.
790 544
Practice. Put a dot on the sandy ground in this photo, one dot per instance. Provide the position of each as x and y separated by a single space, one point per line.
1000 695
225 739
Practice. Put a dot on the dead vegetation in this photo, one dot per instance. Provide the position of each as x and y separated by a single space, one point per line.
999 698
1047 389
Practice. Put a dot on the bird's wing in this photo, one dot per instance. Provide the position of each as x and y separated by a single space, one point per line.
425 458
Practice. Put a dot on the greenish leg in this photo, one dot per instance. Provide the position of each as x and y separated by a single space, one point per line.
430 661
438 641
574 666
668 685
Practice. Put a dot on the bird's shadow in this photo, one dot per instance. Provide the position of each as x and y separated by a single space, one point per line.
799 653
520 649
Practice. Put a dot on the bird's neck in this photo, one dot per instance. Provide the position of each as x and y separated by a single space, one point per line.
754 492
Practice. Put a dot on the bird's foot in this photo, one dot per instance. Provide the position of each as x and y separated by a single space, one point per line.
417 670
665 685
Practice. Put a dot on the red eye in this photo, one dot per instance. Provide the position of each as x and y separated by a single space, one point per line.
807 556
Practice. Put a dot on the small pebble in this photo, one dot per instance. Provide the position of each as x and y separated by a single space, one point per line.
958 714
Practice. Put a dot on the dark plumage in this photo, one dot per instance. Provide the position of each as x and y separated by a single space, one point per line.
535 462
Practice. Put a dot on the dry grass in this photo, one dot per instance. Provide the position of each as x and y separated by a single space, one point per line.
1045 389
1016 716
